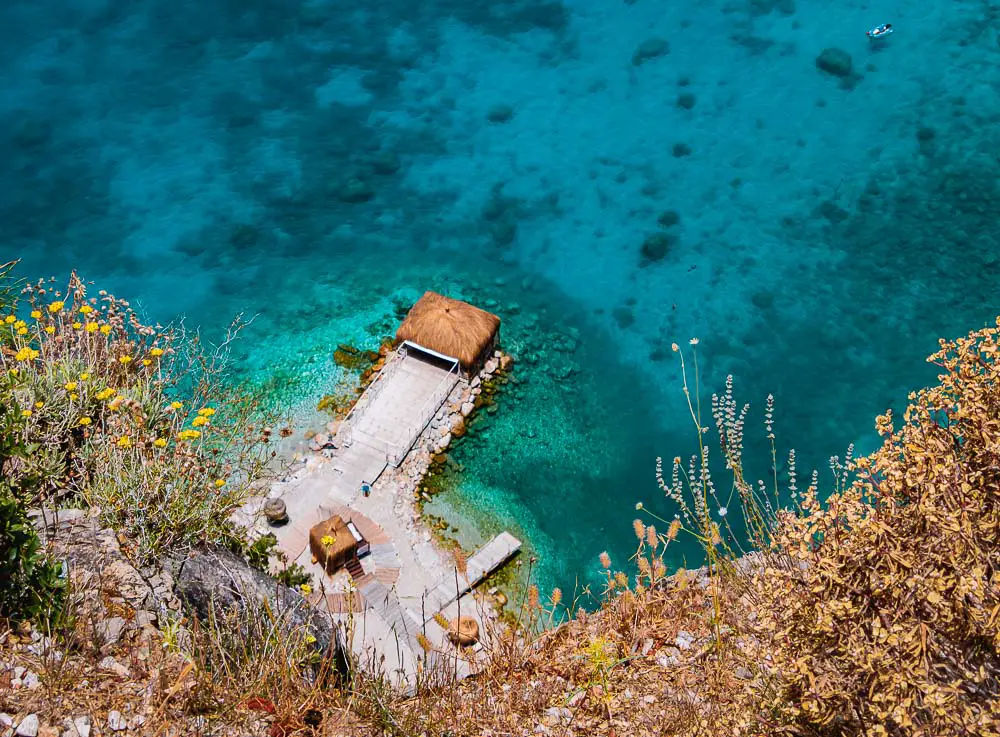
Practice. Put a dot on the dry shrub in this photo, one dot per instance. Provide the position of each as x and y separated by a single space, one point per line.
885 619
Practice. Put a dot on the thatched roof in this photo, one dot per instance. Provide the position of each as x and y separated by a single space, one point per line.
339 551
450 327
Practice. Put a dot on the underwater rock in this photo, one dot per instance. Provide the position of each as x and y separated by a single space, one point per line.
763 300
355 191
656 247
33 133
500 114
680 150
925 134
504 232
669 218
624 317
650 49
836 62
833 212
385 163
686 100
243 236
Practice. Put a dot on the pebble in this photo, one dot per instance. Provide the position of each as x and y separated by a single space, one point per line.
743 673
28 726
6 720
109 663
684 640
116 722
31 680
110 630
82 725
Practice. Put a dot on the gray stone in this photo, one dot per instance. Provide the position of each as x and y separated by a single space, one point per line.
31 680
116 722
82 725
217 581
28 727
684 640
6 720
110 630
743 673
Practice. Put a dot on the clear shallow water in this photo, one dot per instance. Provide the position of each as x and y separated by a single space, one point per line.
312 162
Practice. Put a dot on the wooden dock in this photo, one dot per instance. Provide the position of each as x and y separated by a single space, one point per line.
480 565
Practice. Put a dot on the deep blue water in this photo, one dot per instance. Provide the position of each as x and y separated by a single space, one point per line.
315 162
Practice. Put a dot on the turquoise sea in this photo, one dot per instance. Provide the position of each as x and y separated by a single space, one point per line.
817 208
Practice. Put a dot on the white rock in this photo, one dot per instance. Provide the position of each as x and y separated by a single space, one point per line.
684 640
6 720
82 725
467 409
31 680
28 726
116 722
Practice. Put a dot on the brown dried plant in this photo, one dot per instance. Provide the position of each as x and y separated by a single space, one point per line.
884 619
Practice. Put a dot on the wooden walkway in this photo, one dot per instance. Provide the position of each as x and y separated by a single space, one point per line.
479 566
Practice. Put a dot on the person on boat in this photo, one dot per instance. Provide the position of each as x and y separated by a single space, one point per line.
880 31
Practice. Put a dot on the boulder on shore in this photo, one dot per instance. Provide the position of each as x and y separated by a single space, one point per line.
216 581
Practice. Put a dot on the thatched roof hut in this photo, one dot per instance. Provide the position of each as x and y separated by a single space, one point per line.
451 328
340 544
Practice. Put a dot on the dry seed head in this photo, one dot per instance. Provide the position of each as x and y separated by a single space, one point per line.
639 528
556 596
651 536
605 560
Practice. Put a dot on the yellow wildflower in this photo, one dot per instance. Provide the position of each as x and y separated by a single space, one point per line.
85 421
206 412
25 413
26 354
49 329
77 325
219 483
56 306
73 396
328 540
20 324
69 386
39 405
22 331
86 310
160 442
125 360
124 442
105 394
176 405
156 352
309 638
306 588
105 329
10 319
84 376
146 362
37 314
188 435
91 327
199 421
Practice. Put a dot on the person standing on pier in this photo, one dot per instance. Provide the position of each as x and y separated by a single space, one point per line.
366 488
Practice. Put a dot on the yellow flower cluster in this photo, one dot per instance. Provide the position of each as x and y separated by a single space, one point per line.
199 421
219 483
125 360
36 314
328 540
85 421
26 354
188 435
160 442
206 412
156 352
124 442
105 394
56 306
86 310
91 327
176 405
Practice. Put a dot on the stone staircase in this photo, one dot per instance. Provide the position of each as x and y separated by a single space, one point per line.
384 602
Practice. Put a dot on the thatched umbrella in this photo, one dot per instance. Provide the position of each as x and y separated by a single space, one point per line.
451 327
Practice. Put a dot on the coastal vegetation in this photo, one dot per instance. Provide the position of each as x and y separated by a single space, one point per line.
861 601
